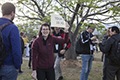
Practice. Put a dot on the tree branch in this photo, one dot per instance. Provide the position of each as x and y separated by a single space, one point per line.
29 7
77 29
30 17
103 21
97 13
66 7
48 5
42 14
43 4
74 14
109 3
81 9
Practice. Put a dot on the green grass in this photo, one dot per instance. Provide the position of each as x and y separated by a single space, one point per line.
71 69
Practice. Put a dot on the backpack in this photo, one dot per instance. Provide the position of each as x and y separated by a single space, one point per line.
115 57
3 53
78 46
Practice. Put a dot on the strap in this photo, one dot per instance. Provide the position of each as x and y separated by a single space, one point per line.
4 25
1 28
8 50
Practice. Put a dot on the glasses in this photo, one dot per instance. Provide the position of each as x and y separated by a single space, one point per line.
57 29
45 29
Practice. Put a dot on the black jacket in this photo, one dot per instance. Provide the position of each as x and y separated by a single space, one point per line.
109 47
104 40
61 46
86 42
30 47
22 45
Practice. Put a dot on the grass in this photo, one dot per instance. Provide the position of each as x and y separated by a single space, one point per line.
71 69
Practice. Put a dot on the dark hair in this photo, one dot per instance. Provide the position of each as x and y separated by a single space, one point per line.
21 33
34 37
44 24
7 8
89 26
116 29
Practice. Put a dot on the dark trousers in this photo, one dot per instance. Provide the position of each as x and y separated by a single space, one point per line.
106 61
47 74
102 57
29 64
21 64
112 71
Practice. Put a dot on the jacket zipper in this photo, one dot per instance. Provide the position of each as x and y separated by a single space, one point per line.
47 55
90 46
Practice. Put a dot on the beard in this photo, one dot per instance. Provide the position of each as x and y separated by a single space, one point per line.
12 18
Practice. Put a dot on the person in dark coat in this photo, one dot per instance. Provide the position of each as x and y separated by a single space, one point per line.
22 49
105 59
29 64
112 68
87 54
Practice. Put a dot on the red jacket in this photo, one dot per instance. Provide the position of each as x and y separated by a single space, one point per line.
61 46
42 55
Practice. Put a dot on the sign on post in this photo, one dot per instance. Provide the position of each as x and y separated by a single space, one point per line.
57 21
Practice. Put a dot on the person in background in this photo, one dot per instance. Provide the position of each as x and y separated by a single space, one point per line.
87 54
112 68
22 49
11 39
42 53
29 64
103 43
105 59
25 40
59 51
26 45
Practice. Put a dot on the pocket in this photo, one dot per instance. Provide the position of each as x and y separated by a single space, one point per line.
11 71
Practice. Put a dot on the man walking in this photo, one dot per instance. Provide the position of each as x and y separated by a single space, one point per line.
87 54
11 39
59 51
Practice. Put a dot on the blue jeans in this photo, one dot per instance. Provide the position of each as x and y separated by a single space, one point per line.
8 73
86 66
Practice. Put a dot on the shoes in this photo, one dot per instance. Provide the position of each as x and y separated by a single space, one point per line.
101 60
60 78
29 67
21 72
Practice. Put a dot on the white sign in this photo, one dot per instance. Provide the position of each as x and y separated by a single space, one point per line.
57 21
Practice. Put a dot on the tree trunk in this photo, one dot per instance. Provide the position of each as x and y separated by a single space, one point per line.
70 54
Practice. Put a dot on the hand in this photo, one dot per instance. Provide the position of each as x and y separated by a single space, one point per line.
34 74
94 37
67 27
59 37
17 70
62 51
98 42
